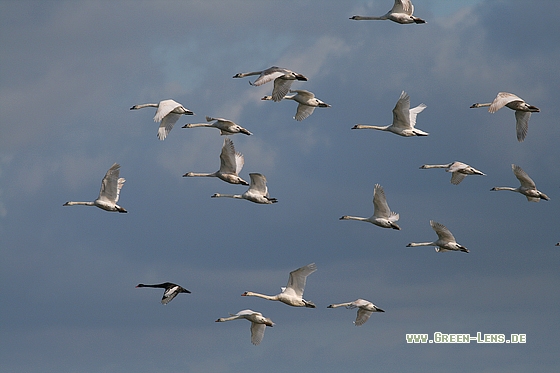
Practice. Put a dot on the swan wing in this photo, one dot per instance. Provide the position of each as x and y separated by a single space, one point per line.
304 94
380 206
269 74
401 112
403 6
257 332
167 124
522 123
109 185
501 100
281 88
414 112
169 294
298 277
120 183
362 317
258 184
228 162
457 177
523 177
303 111
165 107
442 231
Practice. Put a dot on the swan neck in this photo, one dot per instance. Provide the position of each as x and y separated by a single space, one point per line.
269 297
436 165
414 244
72 203
347 217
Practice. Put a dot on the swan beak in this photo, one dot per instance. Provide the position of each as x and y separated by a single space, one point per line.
474 106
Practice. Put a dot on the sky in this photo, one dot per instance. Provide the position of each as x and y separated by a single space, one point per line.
70 71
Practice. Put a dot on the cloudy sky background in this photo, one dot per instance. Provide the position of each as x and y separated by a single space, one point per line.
69 73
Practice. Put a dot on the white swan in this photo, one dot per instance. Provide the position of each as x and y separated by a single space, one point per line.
168 113
365 309
522 111
171 290
231 164
258 323
283 79
404 119
226 127
401 13
445 241
257 192
292 294
111 186
527 188
459 170
382 215
306 100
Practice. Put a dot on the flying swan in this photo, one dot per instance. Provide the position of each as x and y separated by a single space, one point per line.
445 241
257 192
401 13
522 111
382 215
292 294
459 170
258 323
306 100
527 188
111 186
168 113
226 127
404 119
365 309
231 164
171 290
283 79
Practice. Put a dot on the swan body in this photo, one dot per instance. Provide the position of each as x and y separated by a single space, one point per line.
400 13
459 170
445 241
522 111
307 102
258 323
257 192
292 294
527 187
365 309
171 290
382 215
231 164
168 113
226 127
111 186
404 119
283 79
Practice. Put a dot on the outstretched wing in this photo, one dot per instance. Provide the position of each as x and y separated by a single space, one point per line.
257 333
501 100
303 111
281 88
110 184
298 277
380 206
167 124
258 184
403 6
523 177
522 124
442 231
362 317
401 112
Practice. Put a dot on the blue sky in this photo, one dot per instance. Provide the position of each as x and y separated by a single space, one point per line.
71 71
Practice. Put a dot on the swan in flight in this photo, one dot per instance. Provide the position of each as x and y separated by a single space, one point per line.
382 215
257 192
459 170
168 113
226 127
527 188
306 100
171 290
522 111
111 186
404 119
258 323
445 241
292 294
231 164
401 13
283 79
365 309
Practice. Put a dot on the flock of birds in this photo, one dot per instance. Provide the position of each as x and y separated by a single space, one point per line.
231 163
